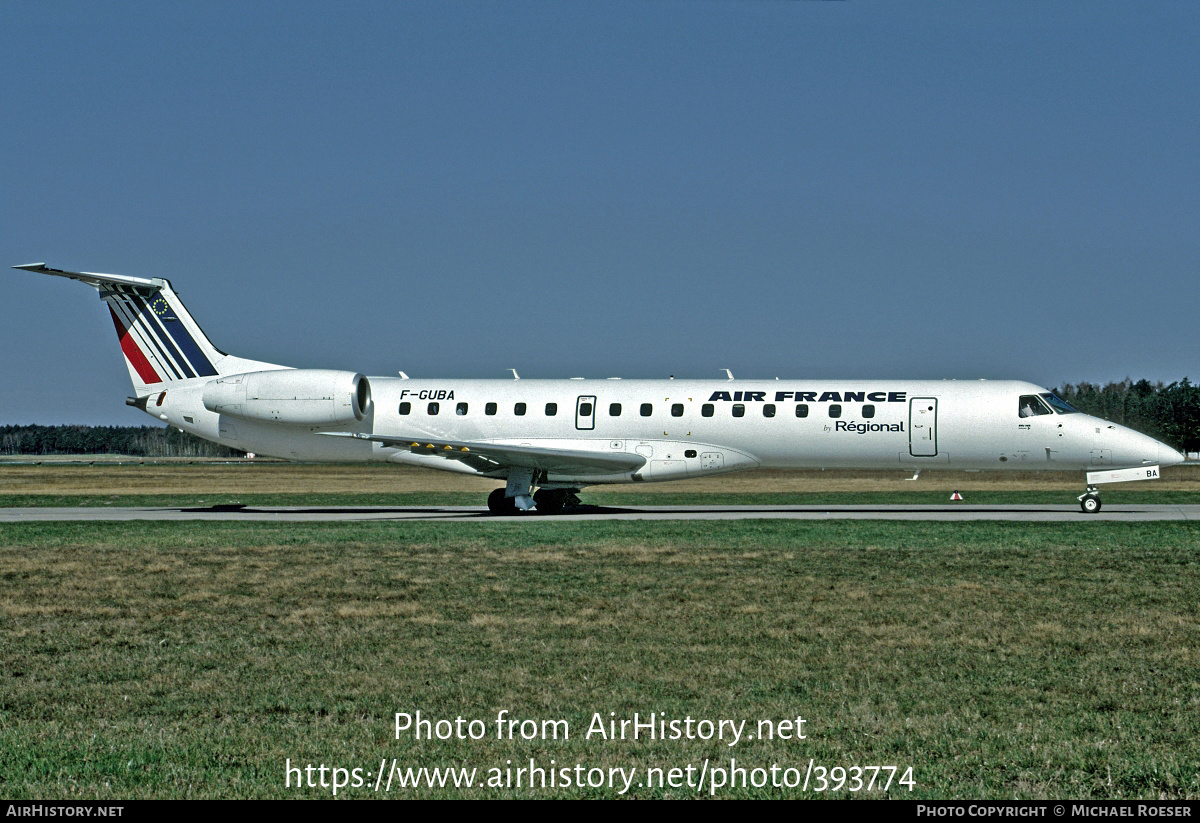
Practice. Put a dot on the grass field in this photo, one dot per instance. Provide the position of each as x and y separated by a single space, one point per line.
282 484
997 660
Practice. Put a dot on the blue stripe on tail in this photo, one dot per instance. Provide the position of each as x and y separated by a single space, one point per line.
175 331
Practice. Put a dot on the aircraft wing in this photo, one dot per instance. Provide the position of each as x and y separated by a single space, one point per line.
488 457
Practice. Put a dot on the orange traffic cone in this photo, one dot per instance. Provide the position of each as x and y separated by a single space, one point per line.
956 495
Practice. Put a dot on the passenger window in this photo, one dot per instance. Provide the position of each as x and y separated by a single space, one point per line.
868 411
433 408
802 410
585 409
769 410
460 409
647 410
690 453
405 407
519 409
677 410
551 409
739 410
614 409
835 410
706 410
490 408
1031 406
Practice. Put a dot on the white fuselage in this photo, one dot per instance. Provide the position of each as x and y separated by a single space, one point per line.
693 428
556 435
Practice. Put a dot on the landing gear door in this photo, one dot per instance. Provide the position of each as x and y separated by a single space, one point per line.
585 413
922 427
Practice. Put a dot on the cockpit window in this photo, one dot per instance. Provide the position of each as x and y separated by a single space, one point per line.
1031 406
1058 404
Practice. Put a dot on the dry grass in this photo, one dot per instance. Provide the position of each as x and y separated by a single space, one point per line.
230 478
56 478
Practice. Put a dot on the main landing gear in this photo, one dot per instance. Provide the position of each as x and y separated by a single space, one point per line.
1089 501
551 501
546 501
518 495
499 504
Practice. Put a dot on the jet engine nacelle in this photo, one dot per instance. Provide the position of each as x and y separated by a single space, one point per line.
301 397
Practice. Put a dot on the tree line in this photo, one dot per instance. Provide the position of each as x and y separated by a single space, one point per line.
135 441
1170 413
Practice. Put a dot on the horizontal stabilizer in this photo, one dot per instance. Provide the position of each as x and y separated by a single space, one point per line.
96 279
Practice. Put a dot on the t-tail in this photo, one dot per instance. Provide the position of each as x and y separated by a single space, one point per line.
161 341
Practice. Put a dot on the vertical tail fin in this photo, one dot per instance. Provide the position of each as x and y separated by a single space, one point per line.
161 341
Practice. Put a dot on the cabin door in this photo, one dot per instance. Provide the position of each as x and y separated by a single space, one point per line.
585 413
922 426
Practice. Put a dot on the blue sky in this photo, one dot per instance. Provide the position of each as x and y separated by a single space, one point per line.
794 189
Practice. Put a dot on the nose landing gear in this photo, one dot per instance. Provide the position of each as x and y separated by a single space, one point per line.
1089 501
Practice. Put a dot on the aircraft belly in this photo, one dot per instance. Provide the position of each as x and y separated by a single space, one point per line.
297 443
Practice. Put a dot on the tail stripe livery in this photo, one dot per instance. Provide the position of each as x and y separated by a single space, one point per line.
141 338
137 335
132 353
172 357
159 307
161 335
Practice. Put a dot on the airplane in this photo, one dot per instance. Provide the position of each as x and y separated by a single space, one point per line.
548 439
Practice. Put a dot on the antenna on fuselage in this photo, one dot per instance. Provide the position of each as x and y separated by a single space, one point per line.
402 375
515 375
728 373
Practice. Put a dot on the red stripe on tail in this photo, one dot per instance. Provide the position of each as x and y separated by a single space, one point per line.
133 354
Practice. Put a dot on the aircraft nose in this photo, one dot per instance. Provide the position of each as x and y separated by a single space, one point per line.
1155 451
1131 448
1167 456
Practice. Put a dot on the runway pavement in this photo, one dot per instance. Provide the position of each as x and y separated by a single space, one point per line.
1062 513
